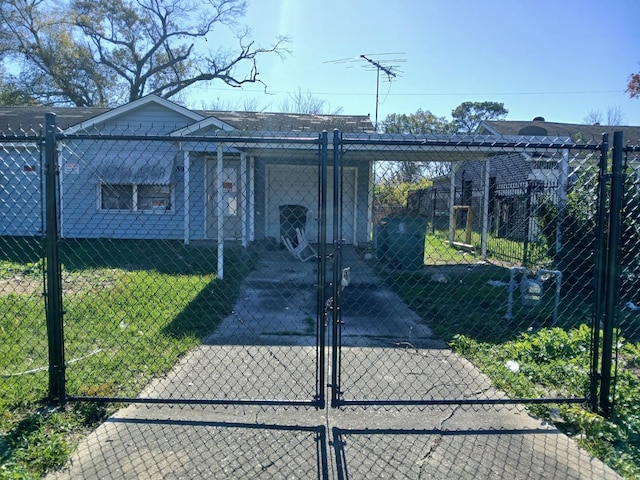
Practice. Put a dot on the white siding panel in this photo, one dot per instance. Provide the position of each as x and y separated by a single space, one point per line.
298 185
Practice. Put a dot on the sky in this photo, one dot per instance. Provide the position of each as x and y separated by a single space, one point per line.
559 59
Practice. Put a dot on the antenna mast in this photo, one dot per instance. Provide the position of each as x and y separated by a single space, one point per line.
390 75
390 69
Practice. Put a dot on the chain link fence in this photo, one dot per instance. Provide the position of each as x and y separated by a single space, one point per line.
264 268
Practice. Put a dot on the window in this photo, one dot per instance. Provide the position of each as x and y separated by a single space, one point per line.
116 197
154 197
144 198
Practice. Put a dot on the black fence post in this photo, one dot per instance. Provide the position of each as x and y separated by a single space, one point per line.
599 272
611 288
527 220
321 270
336 331
53 267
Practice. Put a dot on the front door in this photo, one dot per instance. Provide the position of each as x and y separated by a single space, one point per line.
224 198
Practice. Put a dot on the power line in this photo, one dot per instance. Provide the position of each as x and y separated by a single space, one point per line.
414 94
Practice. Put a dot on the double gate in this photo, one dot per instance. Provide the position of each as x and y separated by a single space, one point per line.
244 305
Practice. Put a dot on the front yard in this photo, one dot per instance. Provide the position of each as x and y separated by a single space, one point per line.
132 308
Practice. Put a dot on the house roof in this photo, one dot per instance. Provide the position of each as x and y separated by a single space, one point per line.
18 120
577 132
293 122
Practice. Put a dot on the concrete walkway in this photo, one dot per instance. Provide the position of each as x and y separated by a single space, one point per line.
266 349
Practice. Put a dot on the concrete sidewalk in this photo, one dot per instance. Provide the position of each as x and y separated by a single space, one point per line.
266 349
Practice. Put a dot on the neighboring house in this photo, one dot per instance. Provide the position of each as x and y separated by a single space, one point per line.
517 181
183 187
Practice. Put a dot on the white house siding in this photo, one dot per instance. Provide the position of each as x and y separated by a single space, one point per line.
298 185
20 191
197 198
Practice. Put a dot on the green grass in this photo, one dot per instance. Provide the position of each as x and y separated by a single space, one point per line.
132 309
453 296
502 249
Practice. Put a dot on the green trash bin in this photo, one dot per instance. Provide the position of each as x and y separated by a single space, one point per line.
404 241
380 239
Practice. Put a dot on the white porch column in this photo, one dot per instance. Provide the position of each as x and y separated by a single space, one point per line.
220 212
563 177
485 210
371 187
452 195
355 206
186 162
243 200
250 201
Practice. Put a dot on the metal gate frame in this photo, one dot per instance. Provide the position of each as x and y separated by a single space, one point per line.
329 297
607 248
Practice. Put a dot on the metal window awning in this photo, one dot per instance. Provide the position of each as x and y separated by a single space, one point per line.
133 169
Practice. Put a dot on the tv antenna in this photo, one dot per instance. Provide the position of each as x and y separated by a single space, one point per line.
388 66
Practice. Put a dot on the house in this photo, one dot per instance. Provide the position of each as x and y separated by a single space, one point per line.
152 169
517 181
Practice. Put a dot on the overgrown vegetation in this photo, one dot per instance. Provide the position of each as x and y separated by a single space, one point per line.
132 308
555 361
528 355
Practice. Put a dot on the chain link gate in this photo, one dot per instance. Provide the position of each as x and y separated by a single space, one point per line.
413 332
161 305
380 311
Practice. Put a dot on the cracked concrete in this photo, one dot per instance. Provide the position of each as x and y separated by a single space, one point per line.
264 349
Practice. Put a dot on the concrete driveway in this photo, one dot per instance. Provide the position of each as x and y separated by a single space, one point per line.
266 349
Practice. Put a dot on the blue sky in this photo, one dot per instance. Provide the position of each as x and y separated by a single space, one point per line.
559 59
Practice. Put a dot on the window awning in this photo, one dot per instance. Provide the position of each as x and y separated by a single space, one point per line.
135 167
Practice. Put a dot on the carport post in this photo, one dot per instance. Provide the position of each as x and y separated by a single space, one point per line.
485 209
452 201
563 177
242 192
219 213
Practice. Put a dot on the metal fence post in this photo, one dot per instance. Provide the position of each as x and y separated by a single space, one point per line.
54 272
599 272
336 331
611 278
321 270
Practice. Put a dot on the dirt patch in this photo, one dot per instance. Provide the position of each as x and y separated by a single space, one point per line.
20 285
71 283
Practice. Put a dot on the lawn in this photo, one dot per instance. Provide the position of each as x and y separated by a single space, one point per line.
529 355
132 309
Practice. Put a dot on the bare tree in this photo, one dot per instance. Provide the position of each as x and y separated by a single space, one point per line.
245 104
596 117
113 51
305 102
615 115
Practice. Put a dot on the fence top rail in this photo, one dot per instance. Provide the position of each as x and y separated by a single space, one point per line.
258 138
27 137
463 141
